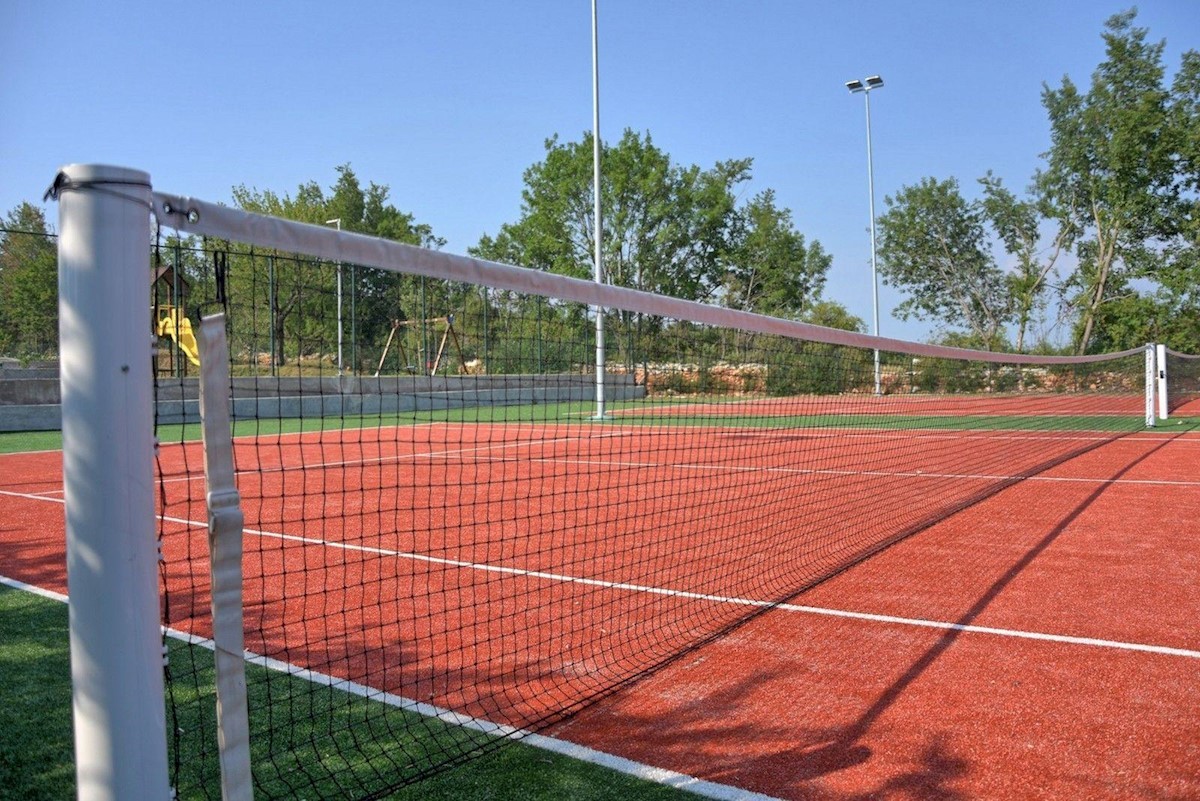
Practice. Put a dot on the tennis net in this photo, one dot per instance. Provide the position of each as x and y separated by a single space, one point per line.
1182 385
455 534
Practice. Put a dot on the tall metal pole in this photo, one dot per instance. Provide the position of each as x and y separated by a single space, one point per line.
274 308
874 266
599 227
338 222
865 86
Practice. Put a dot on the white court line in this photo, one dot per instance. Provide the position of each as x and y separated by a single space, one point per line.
963 435
702 467
318 432
670 778
30 496
699 466
616 428
682 466
1185 438
42 494
684 429
882 432
610 432
395 459
731 600
717 599
269 438
44 593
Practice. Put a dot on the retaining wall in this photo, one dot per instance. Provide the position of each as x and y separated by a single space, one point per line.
32 403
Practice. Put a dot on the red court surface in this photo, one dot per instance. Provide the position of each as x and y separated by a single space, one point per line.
1035 640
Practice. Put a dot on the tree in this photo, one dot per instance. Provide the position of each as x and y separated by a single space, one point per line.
1180 279
374 298
28 284
770 269
933 244
1109 182
832 314
1018 225
666 227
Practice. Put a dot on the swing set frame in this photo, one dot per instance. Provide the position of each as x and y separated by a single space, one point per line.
448 335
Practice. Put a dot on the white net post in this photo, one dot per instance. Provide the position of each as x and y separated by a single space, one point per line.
106 353
1151 383
1161 377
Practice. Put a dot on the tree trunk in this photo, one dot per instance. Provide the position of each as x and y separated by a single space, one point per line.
1097 298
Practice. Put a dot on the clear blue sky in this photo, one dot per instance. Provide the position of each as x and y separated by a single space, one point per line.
448 102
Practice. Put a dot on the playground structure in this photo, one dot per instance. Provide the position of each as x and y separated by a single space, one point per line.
169 293
448 335
173 323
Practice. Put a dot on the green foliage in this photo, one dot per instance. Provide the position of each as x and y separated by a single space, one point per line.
812 368
1120 192
28 285
1132 319
800 368
666 226
1017 223
959 339
933 244
944 376
832 314
517 334
770 269
1111 176
294 294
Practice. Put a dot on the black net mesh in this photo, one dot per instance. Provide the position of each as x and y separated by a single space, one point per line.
1183 383
440 531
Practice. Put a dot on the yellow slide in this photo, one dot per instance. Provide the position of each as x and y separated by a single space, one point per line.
173 324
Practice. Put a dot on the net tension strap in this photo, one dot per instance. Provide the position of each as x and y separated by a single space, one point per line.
225 521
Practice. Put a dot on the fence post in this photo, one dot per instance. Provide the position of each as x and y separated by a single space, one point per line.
106 352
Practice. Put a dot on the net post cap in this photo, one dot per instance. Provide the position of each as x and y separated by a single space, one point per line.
84 174
101 173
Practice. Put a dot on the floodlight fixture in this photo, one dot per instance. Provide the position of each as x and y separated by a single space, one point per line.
855 86
874 82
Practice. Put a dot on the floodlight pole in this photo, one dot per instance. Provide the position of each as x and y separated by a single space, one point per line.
865 86
599 227
338 221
